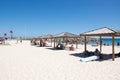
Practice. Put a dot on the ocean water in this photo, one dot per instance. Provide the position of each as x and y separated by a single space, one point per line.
107 41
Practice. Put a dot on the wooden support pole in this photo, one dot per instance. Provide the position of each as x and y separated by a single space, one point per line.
54 42
76 43
66 40
85 43
113 51
51 41
100 44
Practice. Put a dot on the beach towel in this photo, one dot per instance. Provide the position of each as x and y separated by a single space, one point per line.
89 58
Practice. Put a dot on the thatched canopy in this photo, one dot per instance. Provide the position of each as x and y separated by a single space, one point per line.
102 32
105 31
66 35
47 36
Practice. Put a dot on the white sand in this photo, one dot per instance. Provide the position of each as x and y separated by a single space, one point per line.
26 62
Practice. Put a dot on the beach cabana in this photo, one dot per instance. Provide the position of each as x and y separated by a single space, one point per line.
47 36
66 35
105 31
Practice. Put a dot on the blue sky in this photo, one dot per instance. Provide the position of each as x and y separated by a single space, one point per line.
29 18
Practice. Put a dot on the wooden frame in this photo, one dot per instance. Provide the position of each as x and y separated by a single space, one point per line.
112 34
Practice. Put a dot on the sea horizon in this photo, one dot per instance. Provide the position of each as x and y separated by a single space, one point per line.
107 41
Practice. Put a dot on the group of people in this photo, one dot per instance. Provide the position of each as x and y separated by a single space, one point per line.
118 44
40 43
91 56
64 47
34 42
19 39
2 40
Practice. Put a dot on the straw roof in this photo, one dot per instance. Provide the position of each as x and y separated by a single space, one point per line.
37 37
66 35
105 31
47 36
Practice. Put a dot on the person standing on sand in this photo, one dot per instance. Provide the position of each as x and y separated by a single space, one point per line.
11 33
20 39
118 44
17 40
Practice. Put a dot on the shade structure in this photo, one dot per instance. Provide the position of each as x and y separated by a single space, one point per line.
66 35
47 36
104 31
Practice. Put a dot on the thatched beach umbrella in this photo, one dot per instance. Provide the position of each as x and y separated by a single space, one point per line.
66 35
47 36
102 32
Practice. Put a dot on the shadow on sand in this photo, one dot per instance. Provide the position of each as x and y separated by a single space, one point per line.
54 49
103 56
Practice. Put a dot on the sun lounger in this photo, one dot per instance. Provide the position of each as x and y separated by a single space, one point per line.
91 58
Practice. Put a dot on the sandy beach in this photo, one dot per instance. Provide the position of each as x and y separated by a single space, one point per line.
21 61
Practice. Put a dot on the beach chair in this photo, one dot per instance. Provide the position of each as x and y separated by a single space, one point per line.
91 58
